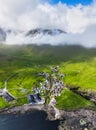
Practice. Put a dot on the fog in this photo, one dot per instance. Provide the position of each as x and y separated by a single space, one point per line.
78 21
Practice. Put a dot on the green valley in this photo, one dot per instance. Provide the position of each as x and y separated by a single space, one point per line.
20 63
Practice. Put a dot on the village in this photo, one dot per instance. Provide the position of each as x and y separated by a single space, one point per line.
45 93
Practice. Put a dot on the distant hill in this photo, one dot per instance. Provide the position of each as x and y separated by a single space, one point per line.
48 53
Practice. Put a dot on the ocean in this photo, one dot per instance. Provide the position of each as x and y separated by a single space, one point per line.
36 120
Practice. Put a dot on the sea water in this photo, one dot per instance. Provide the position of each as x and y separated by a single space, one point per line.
36 120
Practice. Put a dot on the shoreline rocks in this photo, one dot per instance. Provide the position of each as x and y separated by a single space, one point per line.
81 119
21 109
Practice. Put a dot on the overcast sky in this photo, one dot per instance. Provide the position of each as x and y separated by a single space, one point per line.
80 20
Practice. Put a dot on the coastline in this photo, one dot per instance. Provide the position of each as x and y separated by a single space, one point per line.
72 120
21 109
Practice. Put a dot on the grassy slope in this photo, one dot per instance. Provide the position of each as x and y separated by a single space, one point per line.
69 100
77 62
81 74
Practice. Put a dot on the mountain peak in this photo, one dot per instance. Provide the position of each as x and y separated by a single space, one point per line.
44 32
31 36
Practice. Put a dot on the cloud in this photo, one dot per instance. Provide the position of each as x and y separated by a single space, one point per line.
86 38
12 10
79 21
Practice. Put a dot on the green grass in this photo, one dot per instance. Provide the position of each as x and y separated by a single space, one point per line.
81 74
3 103
78 63
70 101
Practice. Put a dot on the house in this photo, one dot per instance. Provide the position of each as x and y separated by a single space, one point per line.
55 69
6 95
62 75
35 99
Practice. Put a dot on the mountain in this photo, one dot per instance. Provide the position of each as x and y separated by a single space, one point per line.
2 35
30 36
45 32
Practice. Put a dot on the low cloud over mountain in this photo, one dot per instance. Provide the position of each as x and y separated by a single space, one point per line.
78 21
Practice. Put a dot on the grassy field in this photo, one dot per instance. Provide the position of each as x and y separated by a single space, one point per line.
70 101
81 74
78 63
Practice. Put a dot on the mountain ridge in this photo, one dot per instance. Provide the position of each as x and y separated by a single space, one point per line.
7 35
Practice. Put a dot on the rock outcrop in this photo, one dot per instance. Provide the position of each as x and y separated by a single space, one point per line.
78 120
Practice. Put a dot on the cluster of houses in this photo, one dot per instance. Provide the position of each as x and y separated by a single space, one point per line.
54 86
57 87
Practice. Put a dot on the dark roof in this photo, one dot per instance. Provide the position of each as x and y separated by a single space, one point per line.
31 99
34 98
8 97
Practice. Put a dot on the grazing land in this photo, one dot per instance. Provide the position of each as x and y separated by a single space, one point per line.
20 64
